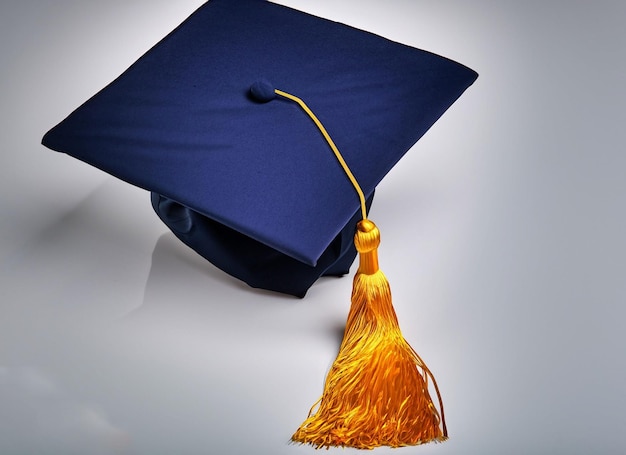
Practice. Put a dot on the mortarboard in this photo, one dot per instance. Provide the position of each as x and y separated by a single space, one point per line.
250 184
213 122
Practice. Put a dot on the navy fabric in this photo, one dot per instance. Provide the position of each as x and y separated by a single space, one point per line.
191 120
251 261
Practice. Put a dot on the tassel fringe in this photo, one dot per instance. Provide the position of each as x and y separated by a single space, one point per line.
376 393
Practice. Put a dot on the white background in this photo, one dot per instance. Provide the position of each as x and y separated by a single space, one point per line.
503 240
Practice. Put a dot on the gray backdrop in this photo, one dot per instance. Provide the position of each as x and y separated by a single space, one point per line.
503 240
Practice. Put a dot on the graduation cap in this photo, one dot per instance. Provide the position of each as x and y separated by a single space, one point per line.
249 185
229 122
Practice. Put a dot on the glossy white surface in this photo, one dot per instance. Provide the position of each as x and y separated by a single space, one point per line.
503 240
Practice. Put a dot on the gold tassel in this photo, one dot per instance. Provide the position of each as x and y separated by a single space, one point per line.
376 392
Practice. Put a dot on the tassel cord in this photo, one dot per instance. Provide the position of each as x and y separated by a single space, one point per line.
332 145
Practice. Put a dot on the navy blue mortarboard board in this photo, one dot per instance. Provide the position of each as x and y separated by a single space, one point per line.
243 176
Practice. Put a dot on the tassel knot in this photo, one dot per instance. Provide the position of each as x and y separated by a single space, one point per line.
367 237
366 240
